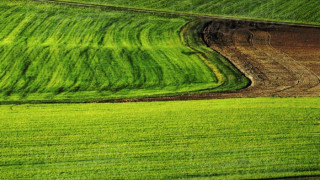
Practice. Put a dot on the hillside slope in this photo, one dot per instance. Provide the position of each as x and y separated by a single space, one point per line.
61 53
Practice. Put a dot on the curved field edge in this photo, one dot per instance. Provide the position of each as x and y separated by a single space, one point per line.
294 11
215 139
190 35
230 78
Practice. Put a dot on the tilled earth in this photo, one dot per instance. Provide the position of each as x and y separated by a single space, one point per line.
280 60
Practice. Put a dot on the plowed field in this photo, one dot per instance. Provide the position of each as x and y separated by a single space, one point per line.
280 60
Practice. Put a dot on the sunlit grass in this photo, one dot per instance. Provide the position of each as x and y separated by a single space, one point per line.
51 52
218 139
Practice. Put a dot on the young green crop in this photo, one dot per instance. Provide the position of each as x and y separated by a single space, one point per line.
218 139
302 11
61 53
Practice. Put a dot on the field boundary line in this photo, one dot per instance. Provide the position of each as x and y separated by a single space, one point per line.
211 17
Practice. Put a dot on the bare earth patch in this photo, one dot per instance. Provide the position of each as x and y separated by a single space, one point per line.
280 60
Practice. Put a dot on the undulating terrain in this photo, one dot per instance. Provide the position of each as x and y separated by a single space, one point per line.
62 53
58 59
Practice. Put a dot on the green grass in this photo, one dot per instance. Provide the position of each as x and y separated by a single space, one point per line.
300 11
227 139
61 53
53 53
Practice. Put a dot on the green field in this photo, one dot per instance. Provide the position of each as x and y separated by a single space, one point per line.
61 53
300 11
53 53
227 139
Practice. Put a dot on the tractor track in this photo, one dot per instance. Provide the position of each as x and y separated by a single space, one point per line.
280 59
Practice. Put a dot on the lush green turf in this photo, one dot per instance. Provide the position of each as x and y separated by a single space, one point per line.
51 52
234 138
302 11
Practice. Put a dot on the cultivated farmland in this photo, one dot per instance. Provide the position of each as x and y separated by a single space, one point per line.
61 53
79 54
280 60
303 11
216 139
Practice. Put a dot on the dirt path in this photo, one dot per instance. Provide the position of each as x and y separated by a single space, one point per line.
281 59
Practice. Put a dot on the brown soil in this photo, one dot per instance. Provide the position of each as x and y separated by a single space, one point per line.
280 60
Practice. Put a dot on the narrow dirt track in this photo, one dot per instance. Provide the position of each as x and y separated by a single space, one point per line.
281 59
